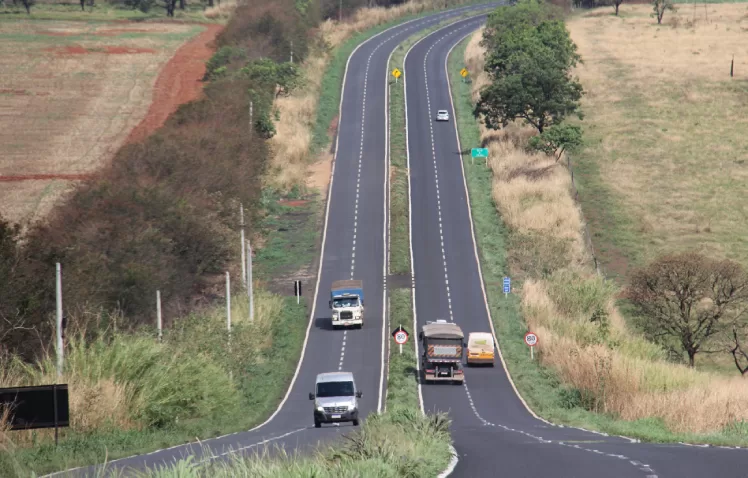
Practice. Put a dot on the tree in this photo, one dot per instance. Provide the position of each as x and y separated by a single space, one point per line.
660 6
616 4
531 73
688 298
27 4
738 352
557 139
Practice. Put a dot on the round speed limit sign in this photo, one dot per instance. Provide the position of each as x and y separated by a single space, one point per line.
401 337
531 339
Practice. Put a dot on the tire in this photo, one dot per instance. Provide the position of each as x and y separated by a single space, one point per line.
317 424
355 423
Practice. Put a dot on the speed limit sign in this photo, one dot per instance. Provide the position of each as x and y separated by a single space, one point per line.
401 337
531 339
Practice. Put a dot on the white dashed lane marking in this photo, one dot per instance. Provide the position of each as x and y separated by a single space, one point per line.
642 467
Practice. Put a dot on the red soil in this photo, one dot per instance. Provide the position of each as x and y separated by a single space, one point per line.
179 82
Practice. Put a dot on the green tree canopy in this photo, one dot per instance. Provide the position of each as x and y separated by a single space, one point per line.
531 73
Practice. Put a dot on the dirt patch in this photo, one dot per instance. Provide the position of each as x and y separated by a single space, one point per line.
119 31
179 82
42 177
295 203
55 34
109 50
319 175
10 91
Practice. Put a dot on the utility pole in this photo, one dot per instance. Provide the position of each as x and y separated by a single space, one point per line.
249 283
60 351
228 316
291 51
250 117
340 11
244 264
158 314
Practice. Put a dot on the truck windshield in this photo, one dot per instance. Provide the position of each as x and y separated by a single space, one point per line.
335 389
345 302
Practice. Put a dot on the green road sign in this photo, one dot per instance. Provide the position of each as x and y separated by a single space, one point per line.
480 152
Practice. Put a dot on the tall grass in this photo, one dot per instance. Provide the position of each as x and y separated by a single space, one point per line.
584 342
308 116
128 393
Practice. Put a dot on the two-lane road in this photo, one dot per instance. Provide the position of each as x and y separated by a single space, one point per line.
353 247
494 432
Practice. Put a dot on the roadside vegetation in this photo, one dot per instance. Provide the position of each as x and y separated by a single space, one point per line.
164 216
594 368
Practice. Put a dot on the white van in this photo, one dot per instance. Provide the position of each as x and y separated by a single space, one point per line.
480 348
335 398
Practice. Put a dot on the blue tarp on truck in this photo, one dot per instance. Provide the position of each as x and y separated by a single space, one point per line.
341 288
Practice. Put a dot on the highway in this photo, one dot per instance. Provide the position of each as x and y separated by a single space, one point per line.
353 247
495 434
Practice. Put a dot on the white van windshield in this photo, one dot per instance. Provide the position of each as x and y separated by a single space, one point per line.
335 389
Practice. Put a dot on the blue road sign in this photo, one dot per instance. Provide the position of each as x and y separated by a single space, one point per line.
507 285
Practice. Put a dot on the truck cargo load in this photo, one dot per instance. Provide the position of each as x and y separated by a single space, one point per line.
442 351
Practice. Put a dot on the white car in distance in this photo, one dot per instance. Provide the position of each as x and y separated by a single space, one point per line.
442 115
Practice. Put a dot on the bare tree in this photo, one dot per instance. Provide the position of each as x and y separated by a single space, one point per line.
659 7
738 353
688 298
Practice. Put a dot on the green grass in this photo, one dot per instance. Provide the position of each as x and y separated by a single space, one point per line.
399 219
329 101
539 386
402 385
100 12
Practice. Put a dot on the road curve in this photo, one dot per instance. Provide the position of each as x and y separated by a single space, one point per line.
493 430
355 221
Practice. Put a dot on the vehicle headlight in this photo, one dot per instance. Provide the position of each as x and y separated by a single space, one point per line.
320 408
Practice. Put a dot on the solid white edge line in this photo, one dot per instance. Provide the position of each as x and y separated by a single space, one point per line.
385 243
410 235
322 249
410 202
475 244
452 463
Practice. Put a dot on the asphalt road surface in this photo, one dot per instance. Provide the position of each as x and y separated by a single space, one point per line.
354 247
494 433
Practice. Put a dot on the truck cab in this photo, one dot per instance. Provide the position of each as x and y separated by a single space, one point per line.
347 303
335 398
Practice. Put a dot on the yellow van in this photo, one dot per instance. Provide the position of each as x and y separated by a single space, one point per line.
480 348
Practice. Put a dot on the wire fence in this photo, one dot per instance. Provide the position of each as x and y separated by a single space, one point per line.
587 235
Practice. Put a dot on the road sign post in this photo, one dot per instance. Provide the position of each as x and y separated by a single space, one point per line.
396 73
479 153
507 286
401 337
531 340
297 290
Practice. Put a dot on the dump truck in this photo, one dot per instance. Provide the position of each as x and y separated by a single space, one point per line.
442 344
347 303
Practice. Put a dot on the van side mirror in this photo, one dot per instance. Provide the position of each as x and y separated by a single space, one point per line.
464 344
329 304
362 302
311 396
359 394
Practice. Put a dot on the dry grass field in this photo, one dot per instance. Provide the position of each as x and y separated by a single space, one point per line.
666 161
70 93
616 371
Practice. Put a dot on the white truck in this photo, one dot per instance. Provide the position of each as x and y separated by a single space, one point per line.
347 303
